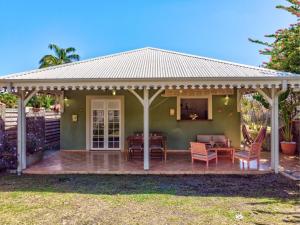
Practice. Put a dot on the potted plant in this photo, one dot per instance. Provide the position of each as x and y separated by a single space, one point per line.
288 110
36 103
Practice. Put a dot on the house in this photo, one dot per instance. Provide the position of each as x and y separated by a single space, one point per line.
109 98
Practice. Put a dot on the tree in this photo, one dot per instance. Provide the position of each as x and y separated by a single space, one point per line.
284 54
61 56
284 51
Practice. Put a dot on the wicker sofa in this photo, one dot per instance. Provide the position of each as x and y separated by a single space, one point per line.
219 140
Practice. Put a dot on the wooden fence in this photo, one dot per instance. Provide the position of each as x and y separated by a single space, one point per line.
42 126
10 119
52 129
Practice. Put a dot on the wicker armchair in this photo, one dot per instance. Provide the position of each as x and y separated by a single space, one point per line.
199 152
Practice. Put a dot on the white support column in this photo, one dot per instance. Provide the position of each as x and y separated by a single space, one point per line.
146 129
275 126
21 146
146 102
23 99
276 134
19 138
273 102
273 118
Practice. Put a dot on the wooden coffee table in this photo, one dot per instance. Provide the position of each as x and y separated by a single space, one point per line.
231 151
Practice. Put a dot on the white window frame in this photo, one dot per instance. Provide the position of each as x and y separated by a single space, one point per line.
89 99
209 106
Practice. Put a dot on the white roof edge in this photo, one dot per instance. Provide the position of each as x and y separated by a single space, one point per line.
56 80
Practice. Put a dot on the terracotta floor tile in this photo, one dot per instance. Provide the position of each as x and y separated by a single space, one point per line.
113 162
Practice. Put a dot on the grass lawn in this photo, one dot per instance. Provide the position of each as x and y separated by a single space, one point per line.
95 199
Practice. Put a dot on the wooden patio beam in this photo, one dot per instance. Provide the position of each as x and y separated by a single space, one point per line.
137 95
29 95
265 95
155 95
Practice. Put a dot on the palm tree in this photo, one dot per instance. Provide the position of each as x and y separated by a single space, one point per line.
60 56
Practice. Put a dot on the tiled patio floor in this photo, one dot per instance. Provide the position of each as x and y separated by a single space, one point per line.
113 162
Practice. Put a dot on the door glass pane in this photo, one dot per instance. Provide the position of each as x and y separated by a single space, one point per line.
98 128
113 128
116 145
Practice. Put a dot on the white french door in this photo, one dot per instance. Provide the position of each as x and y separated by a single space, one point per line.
105 124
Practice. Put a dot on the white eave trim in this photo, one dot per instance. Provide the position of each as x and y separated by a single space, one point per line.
155 84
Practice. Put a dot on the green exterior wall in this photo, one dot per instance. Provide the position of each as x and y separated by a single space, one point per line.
226 120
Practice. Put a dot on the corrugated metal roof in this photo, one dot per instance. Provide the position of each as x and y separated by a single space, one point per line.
148 63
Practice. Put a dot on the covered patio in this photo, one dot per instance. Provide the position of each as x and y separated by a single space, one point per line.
108 98
107 162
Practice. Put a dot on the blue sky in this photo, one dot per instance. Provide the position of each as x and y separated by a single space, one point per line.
217 29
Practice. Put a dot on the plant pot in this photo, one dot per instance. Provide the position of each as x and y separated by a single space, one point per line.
288 148
36 110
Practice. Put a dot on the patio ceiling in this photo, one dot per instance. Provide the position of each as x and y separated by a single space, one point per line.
150 68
